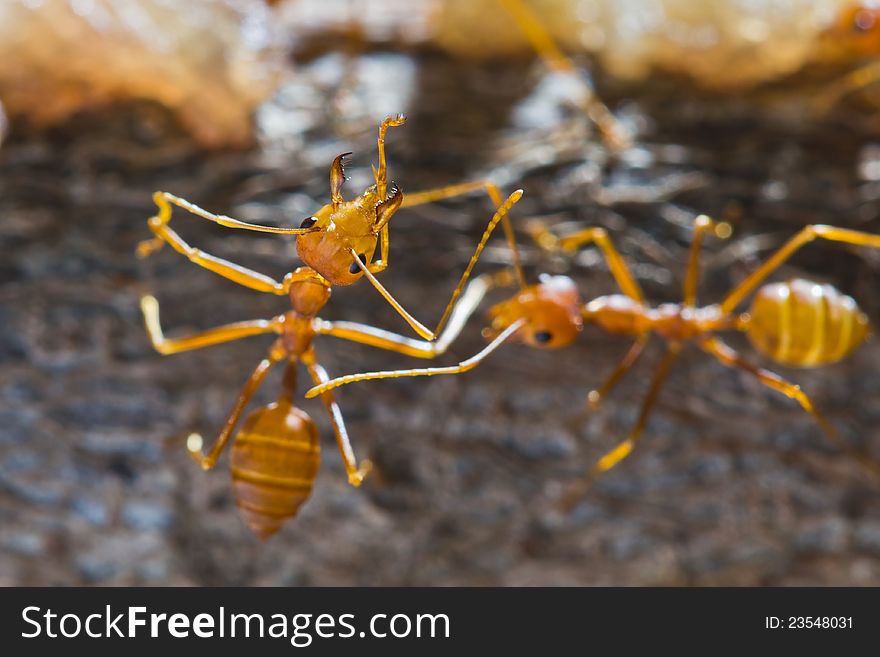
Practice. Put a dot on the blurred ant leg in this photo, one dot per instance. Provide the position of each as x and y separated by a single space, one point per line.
355 472
595 397
701 225
381 174
463 366
623 450
375 337
194 442
546 239
577 490
613 133
451 191
805 236
852 81
217 335
731 358
420 328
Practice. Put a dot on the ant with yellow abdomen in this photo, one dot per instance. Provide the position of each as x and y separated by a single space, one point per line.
795 323
275 454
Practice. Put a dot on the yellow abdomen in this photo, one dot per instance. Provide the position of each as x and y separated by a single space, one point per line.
805 324
274 462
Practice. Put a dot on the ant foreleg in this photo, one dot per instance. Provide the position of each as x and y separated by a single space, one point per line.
217 335
382 339
420 328
381 174
452 191
463 366
194 442
355 472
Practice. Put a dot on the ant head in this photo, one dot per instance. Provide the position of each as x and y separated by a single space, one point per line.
551 310
346 229
857 28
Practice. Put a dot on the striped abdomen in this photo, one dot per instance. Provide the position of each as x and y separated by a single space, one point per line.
804 324
274 462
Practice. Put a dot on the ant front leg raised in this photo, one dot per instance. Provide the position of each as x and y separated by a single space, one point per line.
420 328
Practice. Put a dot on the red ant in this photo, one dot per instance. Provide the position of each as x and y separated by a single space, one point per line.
275 455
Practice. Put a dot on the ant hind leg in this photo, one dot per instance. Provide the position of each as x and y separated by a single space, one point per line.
355 472
194 442
623 449
731 358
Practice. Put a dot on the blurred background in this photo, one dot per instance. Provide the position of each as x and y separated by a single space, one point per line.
759 113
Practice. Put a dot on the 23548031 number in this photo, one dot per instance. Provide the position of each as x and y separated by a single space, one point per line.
821 622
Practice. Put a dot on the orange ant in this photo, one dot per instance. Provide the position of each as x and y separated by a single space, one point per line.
855 33
796 323
275 455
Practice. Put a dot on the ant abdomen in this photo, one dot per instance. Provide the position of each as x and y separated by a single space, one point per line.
804 324
274 462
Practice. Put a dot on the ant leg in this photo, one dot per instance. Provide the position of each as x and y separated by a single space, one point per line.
452 191
355 473
375 337
852 81
731 358
595 397
623 449
546 239
381 174
194 442
420 328
614 134
701 225
217 335
236 273
463 366
805 236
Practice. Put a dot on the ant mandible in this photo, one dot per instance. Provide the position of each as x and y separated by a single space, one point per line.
275 455
795 323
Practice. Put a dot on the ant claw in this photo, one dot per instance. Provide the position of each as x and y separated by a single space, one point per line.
357 478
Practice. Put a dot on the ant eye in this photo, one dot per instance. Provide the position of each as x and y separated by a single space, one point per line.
862 22
354 269
308 222
543 337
